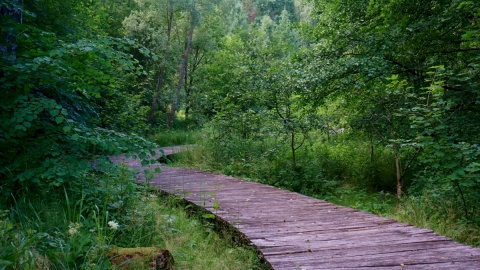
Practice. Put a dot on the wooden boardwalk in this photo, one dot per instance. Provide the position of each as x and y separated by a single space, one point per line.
294 231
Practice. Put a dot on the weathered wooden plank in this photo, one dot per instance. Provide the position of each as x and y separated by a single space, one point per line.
348 259
294 231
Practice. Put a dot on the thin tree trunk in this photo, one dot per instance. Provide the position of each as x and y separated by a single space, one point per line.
163 68
292 145
197 59
182 71
187 90
372 150
398 169
188 93
160 79
463 199
328 132
373 173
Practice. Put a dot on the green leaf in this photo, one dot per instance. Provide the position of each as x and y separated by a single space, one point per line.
54 112
59 119
208 216
67 128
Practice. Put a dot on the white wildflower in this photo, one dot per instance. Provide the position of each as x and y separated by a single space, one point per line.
113 225
73 228
72 231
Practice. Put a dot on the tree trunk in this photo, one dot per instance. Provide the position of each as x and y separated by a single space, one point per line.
182 71
328 132
398 169
187 90
197 59
292 145
373 173
372 150
163 68
188 101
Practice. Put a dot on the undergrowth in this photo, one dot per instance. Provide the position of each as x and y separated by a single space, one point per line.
173 137
183 132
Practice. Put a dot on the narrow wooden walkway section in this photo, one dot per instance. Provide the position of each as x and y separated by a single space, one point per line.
293 231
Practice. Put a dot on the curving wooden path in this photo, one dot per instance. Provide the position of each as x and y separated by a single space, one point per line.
294 231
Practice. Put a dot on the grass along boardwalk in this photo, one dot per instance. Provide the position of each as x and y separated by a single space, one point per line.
294 231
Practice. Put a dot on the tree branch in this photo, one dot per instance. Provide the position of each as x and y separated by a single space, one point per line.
409 70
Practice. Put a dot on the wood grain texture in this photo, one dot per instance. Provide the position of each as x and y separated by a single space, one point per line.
294 231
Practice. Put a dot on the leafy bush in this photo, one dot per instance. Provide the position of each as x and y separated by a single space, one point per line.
51 132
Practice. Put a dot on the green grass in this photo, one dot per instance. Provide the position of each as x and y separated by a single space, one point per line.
65 231
175 137
379 203
439 216
196 245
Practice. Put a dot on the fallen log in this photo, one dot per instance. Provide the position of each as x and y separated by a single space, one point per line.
141 258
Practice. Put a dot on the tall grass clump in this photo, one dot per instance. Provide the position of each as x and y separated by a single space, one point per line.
442 216
171 137
355 162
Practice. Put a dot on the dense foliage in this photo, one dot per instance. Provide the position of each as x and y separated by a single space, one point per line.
398 79
65 102
69 99
400 75
308 95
